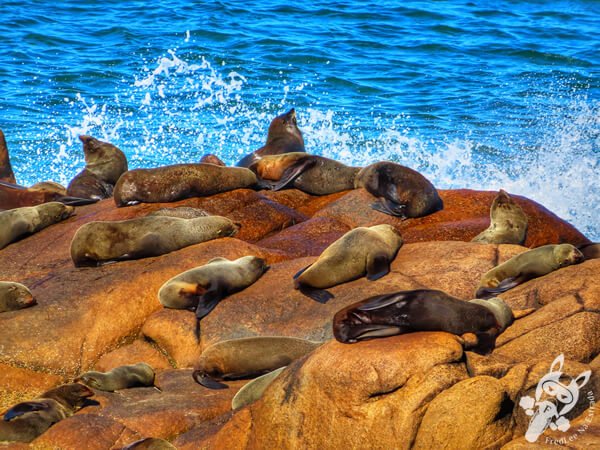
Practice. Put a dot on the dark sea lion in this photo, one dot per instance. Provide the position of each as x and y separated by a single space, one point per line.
361 251
209 158
284 136
150 444
14 296
20 222
98 242
123 377
508 222
402 192
6 172
590 251
172 183
254 390
249 357
27 420
310 173
202 288
525 266
423 310
104 164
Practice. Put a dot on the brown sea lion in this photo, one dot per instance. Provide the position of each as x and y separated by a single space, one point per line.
249 357
6 172
284 136
172 183
402 192
19 222
14 296
104 164
96 243
202 288
27 420
122 377
16 196
209 158
150 444
254 390
423 310
508 222
310 173
590 251
525 266
184 212
358 252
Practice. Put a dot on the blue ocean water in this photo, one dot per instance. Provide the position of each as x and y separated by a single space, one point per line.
475 94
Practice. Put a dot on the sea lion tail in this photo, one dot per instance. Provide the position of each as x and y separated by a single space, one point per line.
204 380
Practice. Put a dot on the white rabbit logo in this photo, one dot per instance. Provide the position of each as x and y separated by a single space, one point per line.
546 413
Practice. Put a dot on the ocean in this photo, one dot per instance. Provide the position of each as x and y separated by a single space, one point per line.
473 94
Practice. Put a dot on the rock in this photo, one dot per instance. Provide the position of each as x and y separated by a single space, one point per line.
18 385
136 352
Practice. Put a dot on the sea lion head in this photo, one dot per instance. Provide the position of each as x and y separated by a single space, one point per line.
73 394
256 264
286 126
91 379
502 312
16 295
567 254
103 159
53 212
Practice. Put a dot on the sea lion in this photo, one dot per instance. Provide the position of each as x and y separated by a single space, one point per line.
310 173
525 266
104 164
358 252
183 212
508 222
14 296
254 390
20 222
16 196
150 444
423 310
98 242
284 136
202 288
123 377
27 420
590 251
6 172
172 183
249 357
209 158
402 192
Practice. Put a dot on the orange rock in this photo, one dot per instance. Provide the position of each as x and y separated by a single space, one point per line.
136 352
17 385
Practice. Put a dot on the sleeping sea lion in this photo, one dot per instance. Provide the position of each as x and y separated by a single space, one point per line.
254 390
150 444
358 252
508 222
423 310
20 222
310 173
123 377
402 192
525 266
6 172
202 288
98 242
104 164
172 183
249 357
27 420
284 136
14 296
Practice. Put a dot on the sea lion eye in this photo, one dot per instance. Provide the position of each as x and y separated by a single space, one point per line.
294 121
283 121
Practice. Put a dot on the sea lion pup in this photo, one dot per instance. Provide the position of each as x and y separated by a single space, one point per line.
123 377
423 310
172 183
28 420
284 136
508 222
150 444
312 174
14 296
209 158
249 357
104 164
254 390
6 172
19 222
202 288
525 266
98 242
358 252
402 192
590 251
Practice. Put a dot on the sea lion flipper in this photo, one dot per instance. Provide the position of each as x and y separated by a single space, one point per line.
24 408
377 266
207 302
293 172
381 301
390 208
319 295
76 201
486 341
301 271
204 380
503 286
